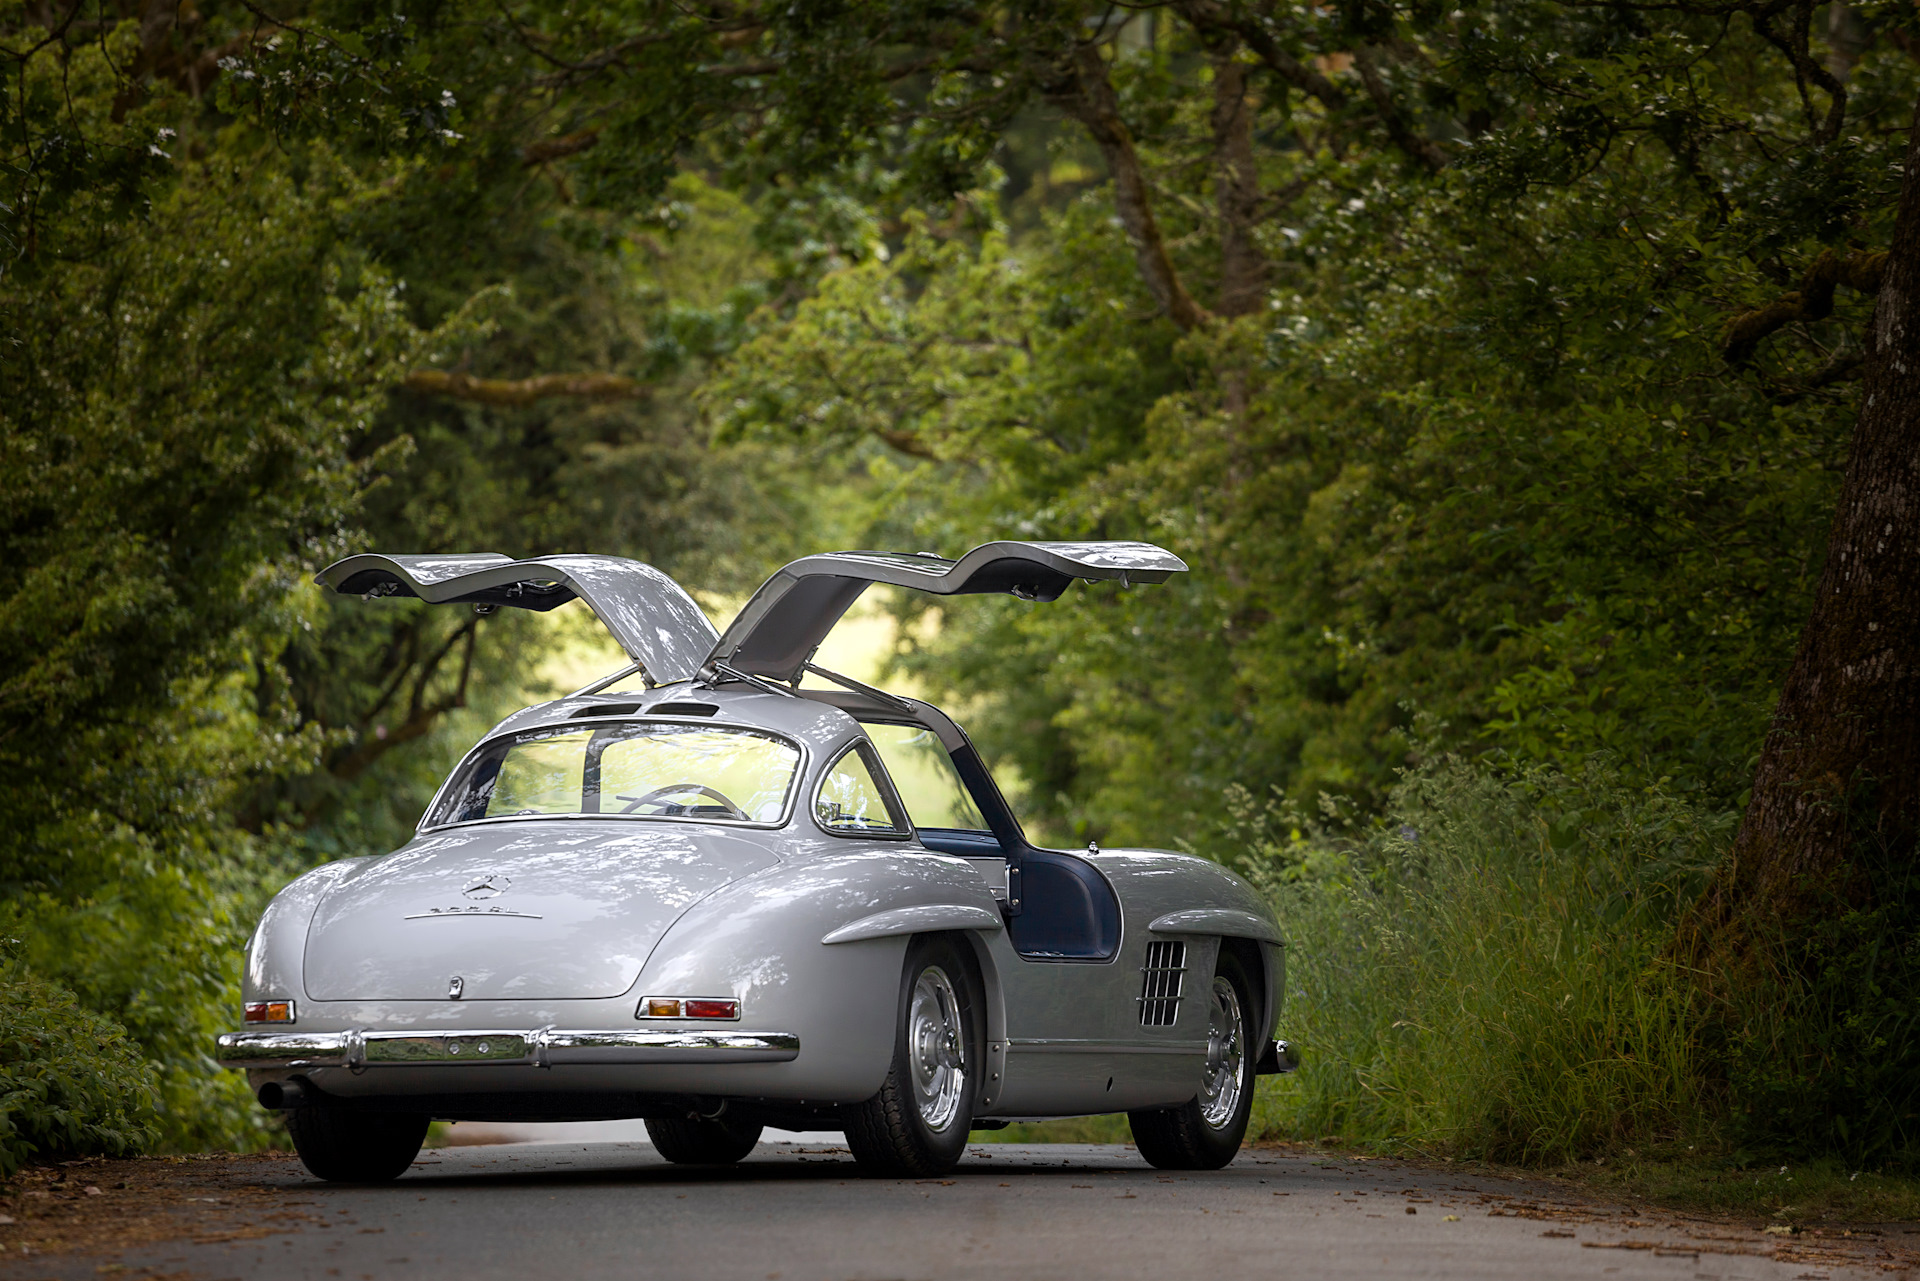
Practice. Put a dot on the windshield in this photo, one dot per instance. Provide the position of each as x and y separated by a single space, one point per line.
636 770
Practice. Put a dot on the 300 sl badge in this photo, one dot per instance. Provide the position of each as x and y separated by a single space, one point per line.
432 912
770 896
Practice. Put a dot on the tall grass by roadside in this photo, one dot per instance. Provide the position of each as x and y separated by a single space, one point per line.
1480 972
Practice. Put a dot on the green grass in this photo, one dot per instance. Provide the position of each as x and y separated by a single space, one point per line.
1480 974
1823 1191
1074 1129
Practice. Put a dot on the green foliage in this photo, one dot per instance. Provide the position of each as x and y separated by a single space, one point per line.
1822 1046
1481 973
1457 434
71 1082
176 428
1479 452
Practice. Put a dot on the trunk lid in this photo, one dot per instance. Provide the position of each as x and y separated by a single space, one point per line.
531 910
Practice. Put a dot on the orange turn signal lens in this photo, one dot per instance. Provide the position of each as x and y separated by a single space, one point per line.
268 1012
663 1007
708 1009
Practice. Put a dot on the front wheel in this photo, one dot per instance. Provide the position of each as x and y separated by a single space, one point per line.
917 1124
698 1141
346 1146
1205 1133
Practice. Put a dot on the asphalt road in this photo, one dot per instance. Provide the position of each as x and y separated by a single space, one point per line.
797 1212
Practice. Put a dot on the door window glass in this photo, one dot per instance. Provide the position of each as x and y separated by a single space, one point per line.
924 775
851 800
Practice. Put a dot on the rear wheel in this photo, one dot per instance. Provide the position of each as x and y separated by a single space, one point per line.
1205 1133
698 1141
342 1145
918 1123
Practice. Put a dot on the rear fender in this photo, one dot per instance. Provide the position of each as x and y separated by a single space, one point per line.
275 965
761 940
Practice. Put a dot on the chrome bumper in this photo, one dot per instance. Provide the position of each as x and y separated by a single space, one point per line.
543 1047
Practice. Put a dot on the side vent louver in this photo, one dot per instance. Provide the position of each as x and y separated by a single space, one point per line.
1160 980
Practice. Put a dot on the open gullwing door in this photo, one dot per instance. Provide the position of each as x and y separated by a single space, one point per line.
778 631
649 614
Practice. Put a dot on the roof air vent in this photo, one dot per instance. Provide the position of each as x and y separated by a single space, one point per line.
682 709
609 709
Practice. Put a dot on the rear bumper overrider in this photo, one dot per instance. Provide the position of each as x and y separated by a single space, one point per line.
541 1048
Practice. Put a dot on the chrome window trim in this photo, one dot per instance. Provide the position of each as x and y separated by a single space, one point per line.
877 768
800 770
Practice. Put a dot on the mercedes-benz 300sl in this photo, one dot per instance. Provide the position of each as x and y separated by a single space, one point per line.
726 899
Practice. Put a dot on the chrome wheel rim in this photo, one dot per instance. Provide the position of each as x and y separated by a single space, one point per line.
1226 1049
936 1048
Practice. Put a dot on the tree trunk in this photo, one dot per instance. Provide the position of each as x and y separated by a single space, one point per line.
1236 185
1841 763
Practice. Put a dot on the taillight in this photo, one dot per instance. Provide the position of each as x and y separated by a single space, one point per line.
688 1007
268 1012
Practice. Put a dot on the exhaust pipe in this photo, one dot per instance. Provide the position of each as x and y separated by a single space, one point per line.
278 1096
1279 1057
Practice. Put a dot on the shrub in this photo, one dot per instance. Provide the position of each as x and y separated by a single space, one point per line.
1481 972
71 1082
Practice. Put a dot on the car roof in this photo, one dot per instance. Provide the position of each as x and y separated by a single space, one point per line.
813 723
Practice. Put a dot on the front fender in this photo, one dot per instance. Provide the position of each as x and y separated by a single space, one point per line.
763 940
1179 894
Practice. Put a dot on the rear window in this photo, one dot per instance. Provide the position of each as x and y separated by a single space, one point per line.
632 770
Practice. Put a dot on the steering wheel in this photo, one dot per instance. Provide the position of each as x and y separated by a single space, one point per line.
675 789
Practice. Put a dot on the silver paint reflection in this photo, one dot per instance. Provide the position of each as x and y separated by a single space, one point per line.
588 902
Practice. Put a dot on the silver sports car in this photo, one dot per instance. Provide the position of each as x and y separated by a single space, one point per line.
724 901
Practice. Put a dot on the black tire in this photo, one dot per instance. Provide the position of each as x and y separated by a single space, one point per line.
697 1141
342 1145
1182 1138
891 1134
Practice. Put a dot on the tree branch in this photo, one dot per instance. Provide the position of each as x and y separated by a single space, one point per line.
539 153
1088 96
1210 15
1805 68
1398 127
522 391
1812 301
421 716
907 443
